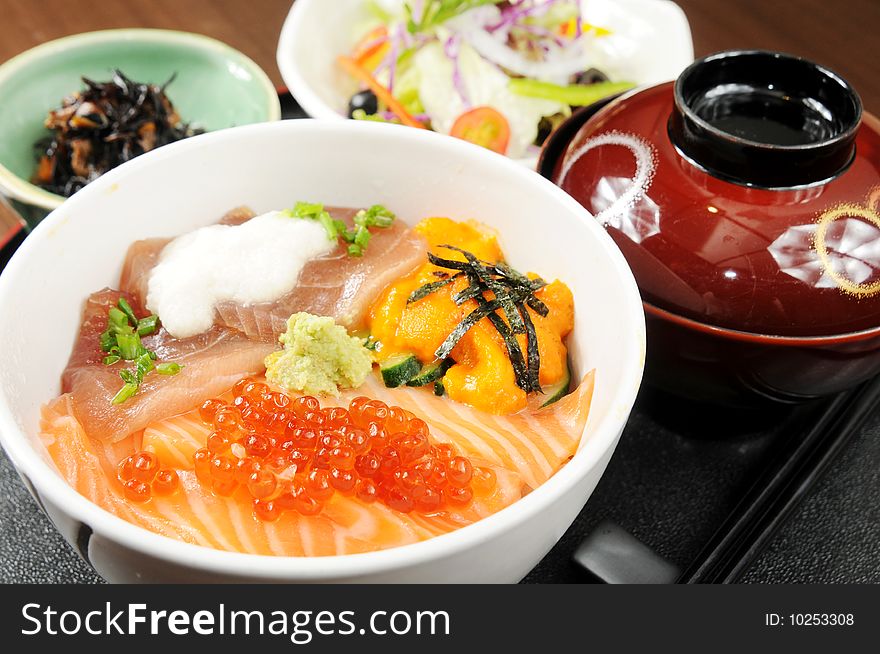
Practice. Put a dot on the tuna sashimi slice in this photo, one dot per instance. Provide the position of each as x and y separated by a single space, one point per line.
211 362
336 285
143 255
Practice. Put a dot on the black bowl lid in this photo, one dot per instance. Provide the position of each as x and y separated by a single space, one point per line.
765 119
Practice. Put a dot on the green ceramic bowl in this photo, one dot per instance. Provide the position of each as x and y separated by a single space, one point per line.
216 87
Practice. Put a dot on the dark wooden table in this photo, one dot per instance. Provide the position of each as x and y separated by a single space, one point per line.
842 34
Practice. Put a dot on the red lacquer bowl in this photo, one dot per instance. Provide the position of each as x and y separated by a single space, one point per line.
746 198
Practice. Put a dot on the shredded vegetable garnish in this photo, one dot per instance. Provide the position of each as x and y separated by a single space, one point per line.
576 95
361 73
122 342
431 62
436 12
357 237
510 294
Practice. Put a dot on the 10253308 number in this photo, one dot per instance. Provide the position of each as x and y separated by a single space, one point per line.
821 619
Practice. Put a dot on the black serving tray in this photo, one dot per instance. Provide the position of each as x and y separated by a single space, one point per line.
707 489
693 494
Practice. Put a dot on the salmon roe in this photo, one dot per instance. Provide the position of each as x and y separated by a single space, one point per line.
289 454
141 477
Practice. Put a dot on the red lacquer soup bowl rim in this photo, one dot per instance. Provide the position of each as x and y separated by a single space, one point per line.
557 144
757 338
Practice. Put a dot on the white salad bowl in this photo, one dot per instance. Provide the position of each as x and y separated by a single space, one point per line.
317 31
80 248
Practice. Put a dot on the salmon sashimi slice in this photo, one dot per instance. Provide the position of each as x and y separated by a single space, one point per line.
195 515
523 450
336 285
535 444
211 363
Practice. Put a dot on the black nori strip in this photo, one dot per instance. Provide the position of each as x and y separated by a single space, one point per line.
476 289
532 352
430 287
539 307
513 351
502 293
518 279
466 294
448 263
462 328
513 292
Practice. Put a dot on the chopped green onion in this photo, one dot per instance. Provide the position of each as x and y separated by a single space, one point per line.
328 224
306 209
144 364
117 320
125 307
146 326
127 391
108 340
122 340
130 346
575 95
170 368
315 211
375 216
359 237
362 236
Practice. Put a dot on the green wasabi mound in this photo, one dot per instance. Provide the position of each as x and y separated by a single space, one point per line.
319 357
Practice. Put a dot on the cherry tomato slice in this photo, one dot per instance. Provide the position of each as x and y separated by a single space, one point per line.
484 126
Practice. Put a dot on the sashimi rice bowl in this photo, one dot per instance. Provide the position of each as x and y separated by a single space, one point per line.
317 352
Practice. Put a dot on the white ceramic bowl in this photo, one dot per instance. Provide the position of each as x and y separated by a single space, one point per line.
317 31
80 247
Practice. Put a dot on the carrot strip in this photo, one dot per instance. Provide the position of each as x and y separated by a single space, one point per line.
372 48
359 72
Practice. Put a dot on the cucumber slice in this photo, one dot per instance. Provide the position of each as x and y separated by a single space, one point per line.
439 389
552 393
431 373
398 370
557 391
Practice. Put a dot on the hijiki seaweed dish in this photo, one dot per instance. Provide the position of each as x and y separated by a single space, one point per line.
317 381
102 126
